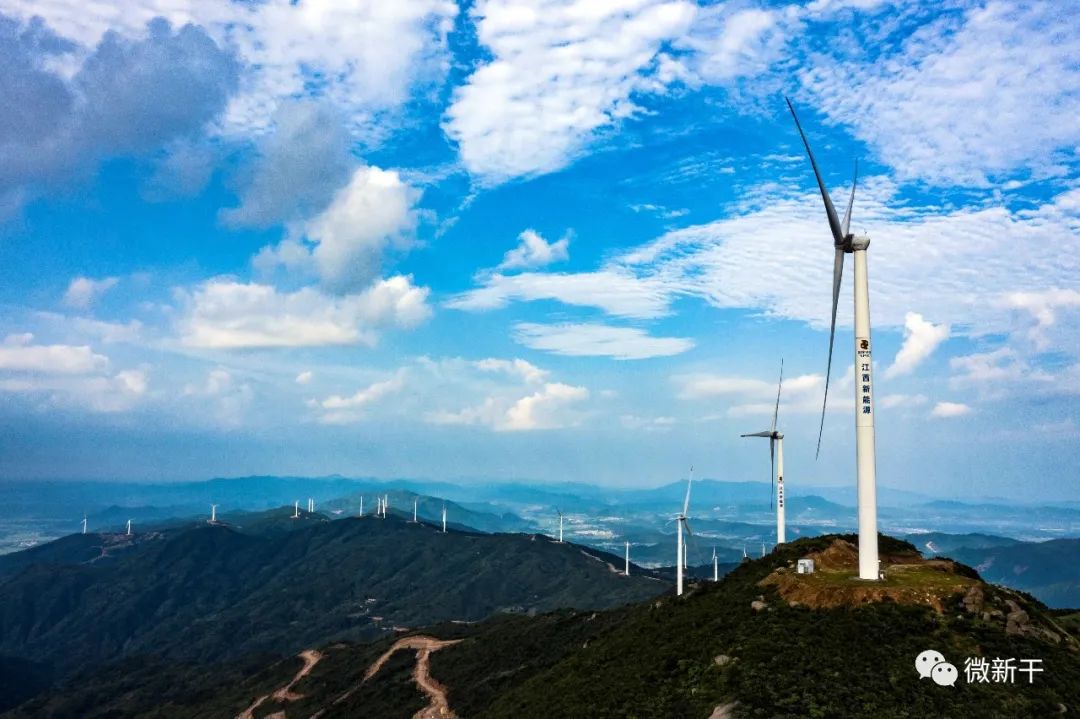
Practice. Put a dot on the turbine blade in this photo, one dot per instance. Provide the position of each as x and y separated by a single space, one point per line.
851 201
779 384
758 434
830 211
838 272
686 503
686 526
772 470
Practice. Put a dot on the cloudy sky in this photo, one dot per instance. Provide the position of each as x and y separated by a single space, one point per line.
535 239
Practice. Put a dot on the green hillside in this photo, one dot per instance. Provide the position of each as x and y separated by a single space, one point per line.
212 593
730 649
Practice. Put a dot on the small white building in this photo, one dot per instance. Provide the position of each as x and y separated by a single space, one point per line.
804 566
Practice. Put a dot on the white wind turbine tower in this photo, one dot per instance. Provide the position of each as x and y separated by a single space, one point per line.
444 519
310 504
715 566
559 512
845 242
681 523
763 549
776 460
213 513
627 571
129 527
84 523
361 505
296 509
414 511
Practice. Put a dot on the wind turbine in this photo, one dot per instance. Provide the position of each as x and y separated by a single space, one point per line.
361 505
744 552
559 511
627 572
296 509
776 460
763 549
310 504
414 511
213 513
129 528
715 566
84 523
444 519
681 524
845 242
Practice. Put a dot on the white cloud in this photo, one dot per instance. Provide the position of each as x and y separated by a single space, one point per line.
97 393
518 367
18 354
224 313
544 409
728 45
993 372
82 292
337 409
560 72
344 245
801 394
597 340
68 375
649 424
227 397
723 263
921 338
534 251
368 56
1043 306
955 103
950 409
894 401
617 293
530 403
304 377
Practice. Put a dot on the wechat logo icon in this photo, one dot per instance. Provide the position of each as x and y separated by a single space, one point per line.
931 664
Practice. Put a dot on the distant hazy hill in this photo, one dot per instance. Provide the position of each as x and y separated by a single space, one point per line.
943 543
1050 570
215 593
729 649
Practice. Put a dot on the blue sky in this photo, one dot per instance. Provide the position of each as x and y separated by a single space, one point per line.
554 240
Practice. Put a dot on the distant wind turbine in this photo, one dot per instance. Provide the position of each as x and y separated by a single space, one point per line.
763 549
559 512
213 513
84 523
715 566
627 572
681 523
129 527
414 503
844 242
776 460
296 509
361 505
444 519
310 504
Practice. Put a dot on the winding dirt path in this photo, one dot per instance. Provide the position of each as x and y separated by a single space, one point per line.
438 707
311 657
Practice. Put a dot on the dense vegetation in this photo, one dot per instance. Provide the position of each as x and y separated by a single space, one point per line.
666 657
212 593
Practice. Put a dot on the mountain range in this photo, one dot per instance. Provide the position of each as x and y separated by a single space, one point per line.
215 593
762 642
